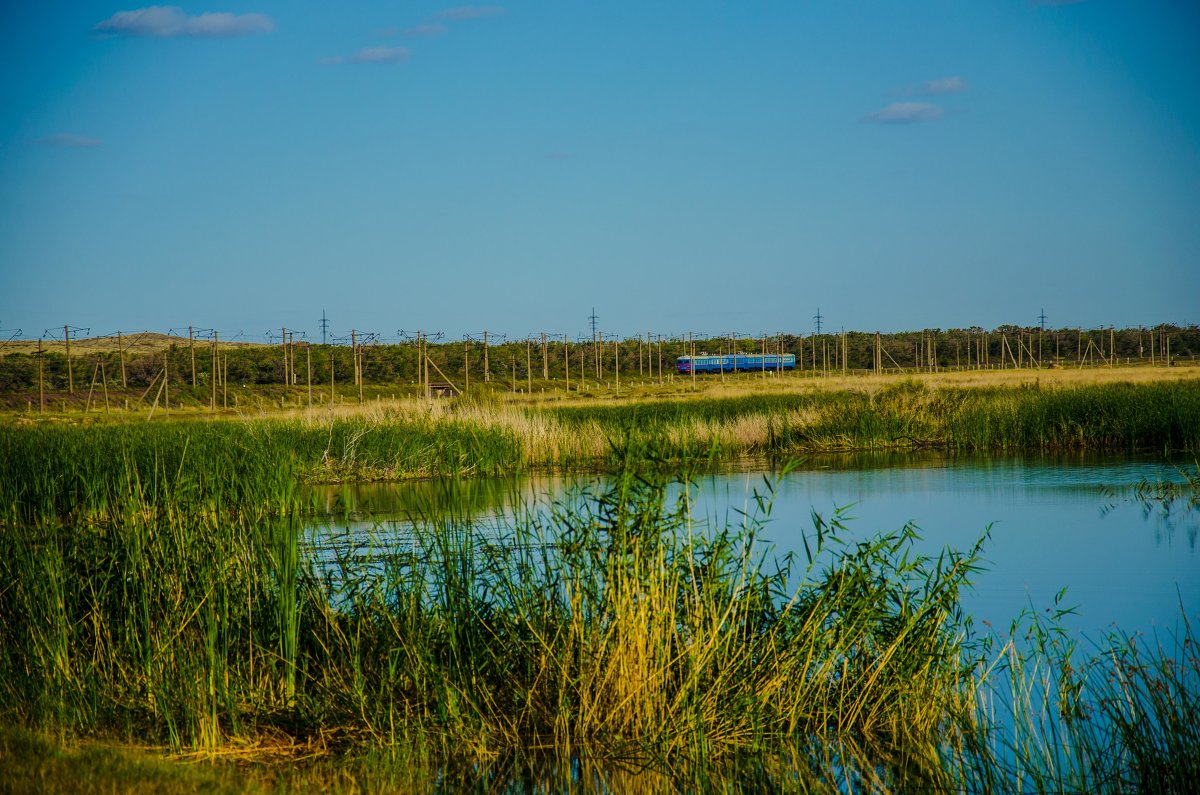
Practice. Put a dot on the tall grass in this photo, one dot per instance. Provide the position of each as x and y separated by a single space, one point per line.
613 630
610 630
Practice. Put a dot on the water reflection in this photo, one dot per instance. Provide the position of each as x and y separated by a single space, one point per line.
1056 521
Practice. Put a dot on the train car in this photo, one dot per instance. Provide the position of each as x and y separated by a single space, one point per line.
732 363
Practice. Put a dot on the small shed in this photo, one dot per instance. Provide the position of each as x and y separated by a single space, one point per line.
442 389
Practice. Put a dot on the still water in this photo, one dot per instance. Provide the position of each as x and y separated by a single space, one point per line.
1056 523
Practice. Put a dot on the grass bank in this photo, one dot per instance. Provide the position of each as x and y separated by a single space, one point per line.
80 468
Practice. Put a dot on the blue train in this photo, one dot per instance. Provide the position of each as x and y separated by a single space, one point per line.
731 363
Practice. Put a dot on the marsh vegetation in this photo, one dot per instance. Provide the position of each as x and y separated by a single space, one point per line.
158 590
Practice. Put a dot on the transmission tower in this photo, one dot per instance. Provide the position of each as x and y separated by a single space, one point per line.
324 326
593 318
818 317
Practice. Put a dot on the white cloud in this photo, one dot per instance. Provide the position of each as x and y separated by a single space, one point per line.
472 12
171 21
380 55
376 55
427 31
69 141
904 113
943 85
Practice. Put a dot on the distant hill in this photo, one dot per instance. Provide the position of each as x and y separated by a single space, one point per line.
139 342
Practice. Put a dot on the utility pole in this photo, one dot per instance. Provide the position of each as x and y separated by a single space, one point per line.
595 348
121 355
70 375
1041 332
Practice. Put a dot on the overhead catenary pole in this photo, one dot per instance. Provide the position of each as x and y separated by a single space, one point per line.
617 364
121 355
216 372
70 374
692 359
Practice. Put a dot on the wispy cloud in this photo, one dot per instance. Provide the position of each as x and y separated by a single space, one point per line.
933 88
472 12
426 31
69 141
171 21
374 55
904 113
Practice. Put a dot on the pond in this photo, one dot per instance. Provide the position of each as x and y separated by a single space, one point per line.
1056 522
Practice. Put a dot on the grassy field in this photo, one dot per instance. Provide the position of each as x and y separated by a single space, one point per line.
158 593
73 463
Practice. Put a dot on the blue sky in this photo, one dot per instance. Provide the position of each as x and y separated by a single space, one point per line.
707 166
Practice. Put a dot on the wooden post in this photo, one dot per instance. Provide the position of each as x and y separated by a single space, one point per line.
41 377
545 359
216 371
283 341
354 354
70 374
691 353
487 372
121 354
660 375
617 364
192 351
